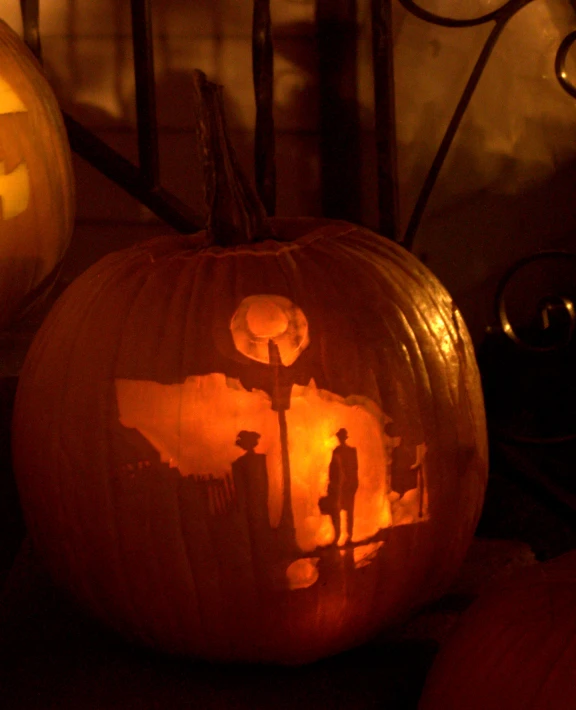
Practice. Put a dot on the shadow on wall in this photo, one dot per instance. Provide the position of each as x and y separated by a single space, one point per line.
471 244
100 94
505 189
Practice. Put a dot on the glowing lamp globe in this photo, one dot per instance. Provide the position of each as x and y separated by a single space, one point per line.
36 181
264 451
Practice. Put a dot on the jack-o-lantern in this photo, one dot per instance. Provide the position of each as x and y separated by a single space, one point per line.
263 452
36 181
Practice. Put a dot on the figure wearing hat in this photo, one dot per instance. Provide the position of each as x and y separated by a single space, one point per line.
250 477
342 484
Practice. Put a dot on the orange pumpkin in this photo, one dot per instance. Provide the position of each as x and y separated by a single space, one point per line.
36 181
264 452
514 648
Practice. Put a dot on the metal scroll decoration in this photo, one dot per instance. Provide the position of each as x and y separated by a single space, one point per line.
529 378
500 17
562 307
143 181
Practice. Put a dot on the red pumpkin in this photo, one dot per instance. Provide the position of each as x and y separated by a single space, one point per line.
514 648
36 181
262 452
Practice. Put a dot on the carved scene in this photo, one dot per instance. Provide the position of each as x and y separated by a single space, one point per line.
307 472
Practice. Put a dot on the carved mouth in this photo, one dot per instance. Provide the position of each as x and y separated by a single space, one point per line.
15 185
14 190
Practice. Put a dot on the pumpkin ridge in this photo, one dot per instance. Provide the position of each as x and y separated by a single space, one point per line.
70 511
117 271
252 248
201 613
144 278
193 282
542 692
170 366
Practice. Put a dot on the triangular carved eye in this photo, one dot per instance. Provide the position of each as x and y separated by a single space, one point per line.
10 102
263 318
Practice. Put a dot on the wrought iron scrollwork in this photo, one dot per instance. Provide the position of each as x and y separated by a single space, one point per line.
560 304
500 14
560 64
142 181
500 17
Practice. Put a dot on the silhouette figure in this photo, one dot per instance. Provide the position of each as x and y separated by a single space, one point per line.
250 477
342 484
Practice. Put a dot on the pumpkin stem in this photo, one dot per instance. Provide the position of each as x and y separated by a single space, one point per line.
236 214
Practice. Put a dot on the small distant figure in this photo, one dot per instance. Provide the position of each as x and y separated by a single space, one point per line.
342 485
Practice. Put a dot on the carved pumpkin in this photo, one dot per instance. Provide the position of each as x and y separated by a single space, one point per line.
262 452
36 181
514 648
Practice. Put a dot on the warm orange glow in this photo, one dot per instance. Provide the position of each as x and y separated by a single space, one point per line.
306 468
302 573
266 319
194 426
14 190
263 318
364 554
15 184
10 102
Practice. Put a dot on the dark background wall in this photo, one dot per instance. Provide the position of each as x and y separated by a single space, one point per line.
505 190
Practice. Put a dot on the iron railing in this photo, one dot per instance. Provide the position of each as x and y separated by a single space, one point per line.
339 154
339 125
